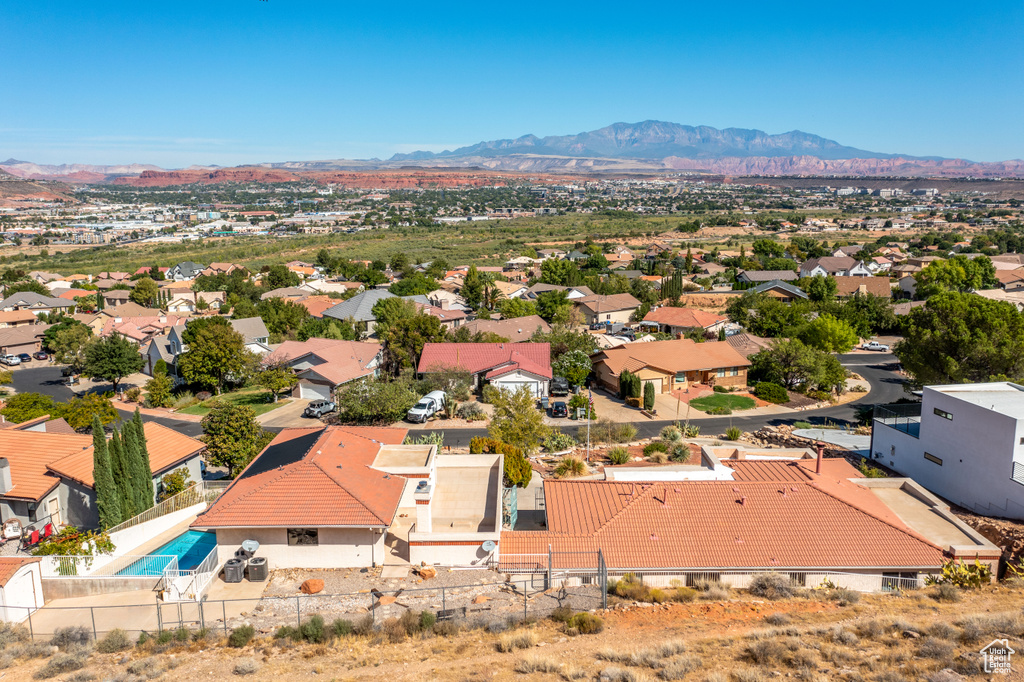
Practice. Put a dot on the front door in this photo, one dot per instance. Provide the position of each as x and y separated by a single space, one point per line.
54 510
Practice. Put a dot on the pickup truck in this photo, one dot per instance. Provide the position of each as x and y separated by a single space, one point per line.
874 345
427 407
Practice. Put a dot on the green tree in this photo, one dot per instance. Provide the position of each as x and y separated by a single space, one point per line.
25 406
564 339
112 358
516 307
136 474
958 273
147 469
829 334
232 435
69 345
28 285
962 338
574 365
145 292
121 470
281 316
790 363
821 288
279 276
416 284
560 272
158 390
472 288
403 331
215 352
375 401
553 305
517 420
80 411
649 396
276 380
326 328
108 504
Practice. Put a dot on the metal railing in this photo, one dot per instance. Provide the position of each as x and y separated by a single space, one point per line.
899 416
107 566
189 585
204 491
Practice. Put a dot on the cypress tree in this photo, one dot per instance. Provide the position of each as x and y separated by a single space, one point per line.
133 461
108 506
140 433
122 476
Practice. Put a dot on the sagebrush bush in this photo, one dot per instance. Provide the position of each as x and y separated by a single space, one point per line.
561 614
679 668
11 634
946 593
241 636
115 640
313 629
72 635
586 623
536 664
777 619
246 666
341 627
772 586
843 596
521 639
60 664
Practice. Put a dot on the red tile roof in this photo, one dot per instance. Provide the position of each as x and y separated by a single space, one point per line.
29 453
312 478
10 565
607 304
684 317
167 448
494 359
878 286
342 361
722 524
680 355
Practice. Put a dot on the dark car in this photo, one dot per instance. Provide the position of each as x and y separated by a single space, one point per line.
24 357
559 386
40 355
559 410
598 325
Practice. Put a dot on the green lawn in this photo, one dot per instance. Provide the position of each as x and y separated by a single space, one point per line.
733 402
254 398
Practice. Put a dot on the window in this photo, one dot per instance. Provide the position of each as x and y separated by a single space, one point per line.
303 536
720 372
932 458
681 376
943 414
734 371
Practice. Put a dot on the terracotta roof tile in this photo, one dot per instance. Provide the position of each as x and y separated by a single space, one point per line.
485 357
342 361
684 317
878 286
10 565
29 453
606 304
312 478
680 355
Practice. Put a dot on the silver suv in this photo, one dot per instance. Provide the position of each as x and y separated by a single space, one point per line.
319 408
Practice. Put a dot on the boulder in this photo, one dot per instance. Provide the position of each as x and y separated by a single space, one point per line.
427 572
481 599
386 599
312 586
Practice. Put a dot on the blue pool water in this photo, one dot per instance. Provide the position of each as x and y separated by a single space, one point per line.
191 547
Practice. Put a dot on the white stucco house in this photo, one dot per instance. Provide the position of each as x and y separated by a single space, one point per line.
964 442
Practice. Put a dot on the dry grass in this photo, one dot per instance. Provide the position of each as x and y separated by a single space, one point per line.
537 664
520 639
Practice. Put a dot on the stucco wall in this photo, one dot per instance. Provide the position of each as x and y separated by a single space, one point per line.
337 548
616 316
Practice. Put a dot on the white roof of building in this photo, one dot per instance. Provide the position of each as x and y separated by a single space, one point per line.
1003 397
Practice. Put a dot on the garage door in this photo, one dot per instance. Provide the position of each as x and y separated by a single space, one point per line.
513 386
311 391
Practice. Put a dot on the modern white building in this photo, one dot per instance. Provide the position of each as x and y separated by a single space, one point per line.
964 442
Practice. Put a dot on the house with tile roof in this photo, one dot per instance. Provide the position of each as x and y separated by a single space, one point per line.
607 309
682 320
734 515
848 287
348 496
503 365
323 365
516 329
672 364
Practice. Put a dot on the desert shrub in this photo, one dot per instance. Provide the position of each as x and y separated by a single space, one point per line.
182 634
683 594
81 676
447 628
570 672
164 636
241 636
561 614
618 455
394 630
841 635
658 457
31 650
843 596
586 623
115 640
427 620
60 664
341 627
690 430
313 629
679 668
288 632
630 587
777 619
132 394
143 638
520 639
680 452
671 433
765 652
558 441
712 590
946 593
655 446
570 467
771 393
935 648
144 667
471 412
943 631
70 636
489 394
615 674
772 586
733 433
536 664
364 626
11 634
246 666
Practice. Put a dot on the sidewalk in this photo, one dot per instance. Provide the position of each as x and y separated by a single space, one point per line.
161 412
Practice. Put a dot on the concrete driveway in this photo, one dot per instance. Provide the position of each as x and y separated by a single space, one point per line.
288 416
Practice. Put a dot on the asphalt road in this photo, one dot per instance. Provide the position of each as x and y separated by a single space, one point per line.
878 369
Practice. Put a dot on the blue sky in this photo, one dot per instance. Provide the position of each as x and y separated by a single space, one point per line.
242 81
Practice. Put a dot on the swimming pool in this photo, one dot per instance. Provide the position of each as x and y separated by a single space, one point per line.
191 547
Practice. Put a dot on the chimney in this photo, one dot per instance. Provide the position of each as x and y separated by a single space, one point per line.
821 455
5 476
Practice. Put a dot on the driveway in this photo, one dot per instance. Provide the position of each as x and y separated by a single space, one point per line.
288 416
41 378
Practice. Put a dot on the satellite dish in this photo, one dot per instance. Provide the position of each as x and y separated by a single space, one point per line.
489 545
250 546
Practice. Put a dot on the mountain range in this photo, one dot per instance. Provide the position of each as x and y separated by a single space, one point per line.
645 147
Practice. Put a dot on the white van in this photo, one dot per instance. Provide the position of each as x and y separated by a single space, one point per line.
427 407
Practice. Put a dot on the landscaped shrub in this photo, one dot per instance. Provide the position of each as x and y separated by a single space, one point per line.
132 394
625 433
680 452
719 389
570 467
558 441
655 446
671 433
771 392
489 394
241 636
772 586
722 410
618 455
582 402
733 433
586 623
820 396
471 412
649 396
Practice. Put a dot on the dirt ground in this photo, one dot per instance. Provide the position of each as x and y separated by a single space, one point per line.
882 637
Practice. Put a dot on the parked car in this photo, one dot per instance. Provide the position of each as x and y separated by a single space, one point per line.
559 386
598 325
874 345
427 407
10 359
559 409
318 408
41 355
24 357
